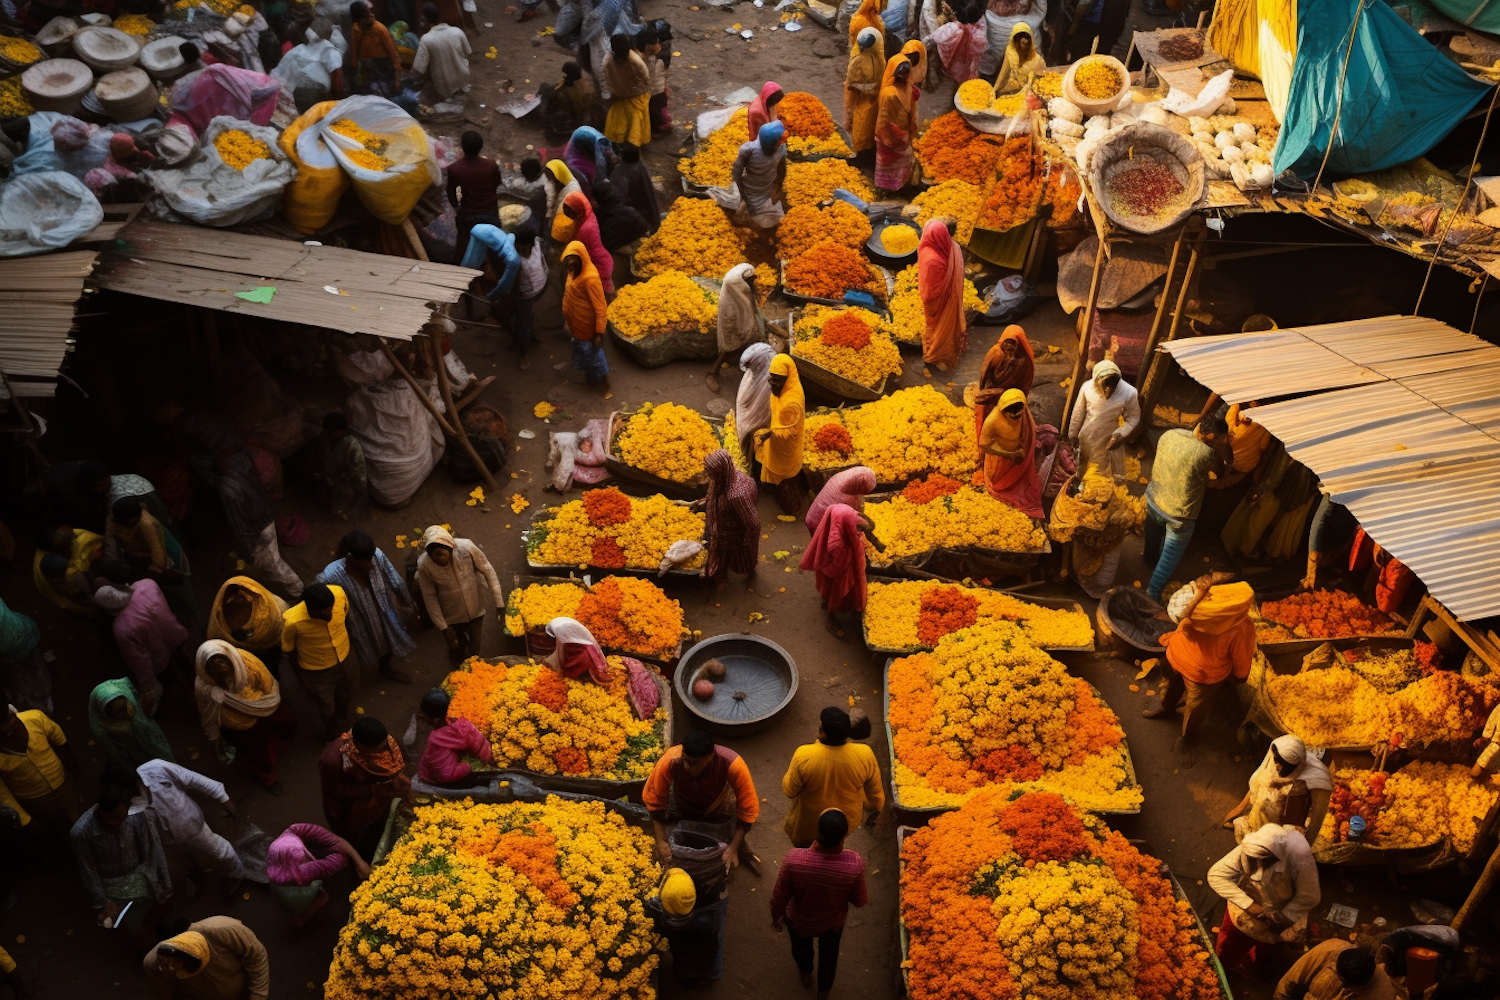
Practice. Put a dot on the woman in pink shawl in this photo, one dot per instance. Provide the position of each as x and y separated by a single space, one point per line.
577 651
836 556
576 221
763 108
732 518
848 487
451 741
149 636
962 45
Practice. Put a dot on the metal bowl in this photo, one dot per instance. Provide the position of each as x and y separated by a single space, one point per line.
760 680
1127 623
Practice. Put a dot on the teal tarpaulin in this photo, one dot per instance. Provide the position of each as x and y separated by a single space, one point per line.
1401 95
1481 15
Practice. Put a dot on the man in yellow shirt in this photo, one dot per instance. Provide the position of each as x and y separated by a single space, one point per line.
316 642
35 764
831 774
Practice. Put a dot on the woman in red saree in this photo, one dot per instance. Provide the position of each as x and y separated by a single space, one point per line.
763 108
1010 364
940 282
836 557
1007 440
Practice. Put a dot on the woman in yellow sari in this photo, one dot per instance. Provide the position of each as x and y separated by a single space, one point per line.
1008 443
629 82
778 447
862 88
895 126
248 616
916 54
1021 62
239 707
868 16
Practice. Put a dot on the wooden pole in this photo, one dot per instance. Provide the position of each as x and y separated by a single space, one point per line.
1487 880
416 387
1156 372
460 434
1080 365
1152 338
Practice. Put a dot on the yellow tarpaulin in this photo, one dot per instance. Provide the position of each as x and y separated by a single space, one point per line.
1259 37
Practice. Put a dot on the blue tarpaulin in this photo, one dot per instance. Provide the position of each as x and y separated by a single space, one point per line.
1401 95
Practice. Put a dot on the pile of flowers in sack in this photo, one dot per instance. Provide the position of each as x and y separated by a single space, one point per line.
807 225
827 270
539 720
666 440
988 708
909 433
916 614
624 613
851 343
1026 899
1366 699
811 183
909 317
943 513
476 901
1321 614
697 239
238 148
670 302
610 530
1417 806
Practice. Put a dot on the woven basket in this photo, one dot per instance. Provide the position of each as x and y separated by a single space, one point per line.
1177 154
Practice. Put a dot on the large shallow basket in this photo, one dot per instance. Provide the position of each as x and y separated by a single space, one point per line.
1122 151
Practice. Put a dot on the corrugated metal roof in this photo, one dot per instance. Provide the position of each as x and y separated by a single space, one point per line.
37 300
1399 417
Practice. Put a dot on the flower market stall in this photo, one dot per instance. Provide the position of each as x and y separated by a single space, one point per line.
665 318
1025 897
522 899
830 273
952 529
698 238
1303 621
848 352
661 448
910 616
607 530
908 319
627 615
1421 816
988 709
910 433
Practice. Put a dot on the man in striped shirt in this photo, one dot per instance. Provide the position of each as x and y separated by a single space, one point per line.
813 893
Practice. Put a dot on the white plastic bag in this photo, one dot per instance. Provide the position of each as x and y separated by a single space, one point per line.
43 211
210 192
309 67
1210 97
391 192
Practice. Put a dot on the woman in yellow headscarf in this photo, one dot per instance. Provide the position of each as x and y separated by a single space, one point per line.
916 54
868 16
1021 63
560 183
895 126
585 314
778 447
1008 443
248 616
862 88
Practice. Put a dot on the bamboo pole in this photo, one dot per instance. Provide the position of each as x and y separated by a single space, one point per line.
1154 336
1155 374
461 434
1486 882
1079 365
416 387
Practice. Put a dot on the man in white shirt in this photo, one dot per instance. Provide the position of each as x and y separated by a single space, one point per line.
442 58
164 791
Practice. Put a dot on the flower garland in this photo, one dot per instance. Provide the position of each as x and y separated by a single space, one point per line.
970 518
986 707
845 342
806 225
827 270
1025 899
916 614
624 613
650 526
668 441
697 239
909 317
479 901
537 719
1416 806
1322 614
811 183
670 302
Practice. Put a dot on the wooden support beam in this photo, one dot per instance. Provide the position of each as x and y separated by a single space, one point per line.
1080 365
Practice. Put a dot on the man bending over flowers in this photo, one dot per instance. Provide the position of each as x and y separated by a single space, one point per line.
704 782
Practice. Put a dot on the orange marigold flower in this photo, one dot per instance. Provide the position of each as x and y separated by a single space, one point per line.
834 437
605 552
804 116
606 507
952 150
550 689
929 489
944 610
828 270
847 330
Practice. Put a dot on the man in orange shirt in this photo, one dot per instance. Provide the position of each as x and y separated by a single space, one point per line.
701 781
372 53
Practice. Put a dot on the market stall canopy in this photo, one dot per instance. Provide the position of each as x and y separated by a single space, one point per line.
1398 418
265 278
39 295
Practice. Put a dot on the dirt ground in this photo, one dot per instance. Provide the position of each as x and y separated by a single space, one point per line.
51 932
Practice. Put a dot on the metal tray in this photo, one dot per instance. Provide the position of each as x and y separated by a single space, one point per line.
1059 603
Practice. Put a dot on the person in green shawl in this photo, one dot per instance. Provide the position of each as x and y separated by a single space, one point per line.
120 725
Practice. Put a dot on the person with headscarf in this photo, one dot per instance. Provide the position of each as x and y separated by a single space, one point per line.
1216 641
867 16
1107 413
240 709
299 860
896 129
778 446
148 635
732 520
849 487
1010 364
372 57
1021 63
458 587
619 224
123 728
560 183
152 551
916 54
739 317
759 173
586 156
836 558
489 246
628 80
60 568
451 740
576 223
631 178
1249 444
361 772
1007 443
752 403
962 42
940 283
376 593
862 88
216 958
1291 787
23 672
1270 883
575 651
762 110
571 102
37 768
693 924
585 314
248 616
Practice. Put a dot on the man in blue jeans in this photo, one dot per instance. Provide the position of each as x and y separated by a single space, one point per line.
1185 461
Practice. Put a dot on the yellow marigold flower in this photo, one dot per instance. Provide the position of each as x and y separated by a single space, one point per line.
806 225
869 366
239 149
893 610
19 50
976 95
518 503
567 537
668 440
697 239
543 410
13 102
970 517
898 241
713 164
134 24
668 303
958 199
810 183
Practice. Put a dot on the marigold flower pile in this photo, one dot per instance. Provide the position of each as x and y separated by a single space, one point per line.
898 241
909 317
951 149
847 342
667 440
138 25
810 129
732 444
976 95
827 270
811 183
1014 196
539 720
969 518
806 225
637 530
713 164
624 613
370 156
1062 193
1418 805
909 433
697 239
916 614
13 102
1029 900
1097 80
1047 85
480 901
1322 614
19 50
956 199
668 303
239 148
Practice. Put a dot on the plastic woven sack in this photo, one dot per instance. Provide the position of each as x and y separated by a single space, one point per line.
210 192
224 92
390 191
313 195
45 211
